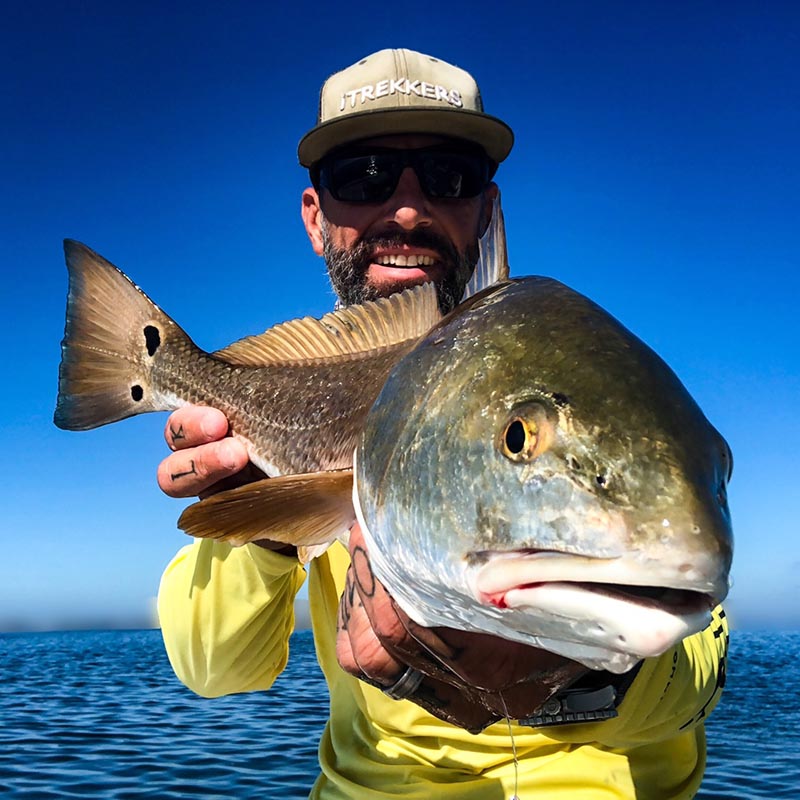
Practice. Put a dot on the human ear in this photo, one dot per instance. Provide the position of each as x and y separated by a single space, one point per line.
312 218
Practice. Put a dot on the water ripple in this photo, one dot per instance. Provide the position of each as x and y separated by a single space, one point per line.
100 714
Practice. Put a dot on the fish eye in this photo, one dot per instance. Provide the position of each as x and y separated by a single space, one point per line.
516 436
527 433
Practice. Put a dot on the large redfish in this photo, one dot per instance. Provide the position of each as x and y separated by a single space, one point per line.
525 467
531 470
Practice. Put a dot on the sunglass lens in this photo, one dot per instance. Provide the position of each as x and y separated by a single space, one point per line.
452 175
361 179
372 178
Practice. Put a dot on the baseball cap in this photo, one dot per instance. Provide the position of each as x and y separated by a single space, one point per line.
402 91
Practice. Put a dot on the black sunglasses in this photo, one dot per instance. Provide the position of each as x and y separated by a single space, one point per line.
371 175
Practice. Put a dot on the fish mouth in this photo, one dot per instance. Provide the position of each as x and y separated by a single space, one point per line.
674 601
622 604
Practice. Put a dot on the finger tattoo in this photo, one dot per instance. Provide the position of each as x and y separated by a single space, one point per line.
176 435
191 471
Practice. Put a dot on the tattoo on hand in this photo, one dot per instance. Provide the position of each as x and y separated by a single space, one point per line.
347 601
363 572
192 471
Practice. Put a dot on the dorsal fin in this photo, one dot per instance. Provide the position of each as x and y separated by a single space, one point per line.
348 331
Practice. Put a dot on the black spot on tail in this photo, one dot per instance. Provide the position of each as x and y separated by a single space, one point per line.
137 393
152 339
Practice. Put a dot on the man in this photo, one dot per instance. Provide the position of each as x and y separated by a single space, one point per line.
401 163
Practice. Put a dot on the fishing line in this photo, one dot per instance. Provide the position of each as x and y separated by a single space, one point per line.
453 669
514 796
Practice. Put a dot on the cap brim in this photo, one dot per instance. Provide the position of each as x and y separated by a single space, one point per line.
491 133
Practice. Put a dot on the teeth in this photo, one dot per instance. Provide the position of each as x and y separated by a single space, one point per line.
404 261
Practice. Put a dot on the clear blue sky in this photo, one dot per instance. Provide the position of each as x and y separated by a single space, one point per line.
656 169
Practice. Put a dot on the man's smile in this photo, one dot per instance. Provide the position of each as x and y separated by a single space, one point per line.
404 260
404 265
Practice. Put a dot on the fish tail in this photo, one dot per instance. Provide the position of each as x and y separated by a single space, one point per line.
113 339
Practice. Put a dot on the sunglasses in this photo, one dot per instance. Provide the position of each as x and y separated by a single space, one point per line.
371 175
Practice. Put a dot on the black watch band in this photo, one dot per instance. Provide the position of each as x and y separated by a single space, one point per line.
594 697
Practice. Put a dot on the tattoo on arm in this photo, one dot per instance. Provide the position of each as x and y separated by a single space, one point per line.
191 471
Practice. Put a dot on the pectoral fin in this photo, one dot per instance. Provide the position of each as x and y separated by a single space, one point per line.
307 511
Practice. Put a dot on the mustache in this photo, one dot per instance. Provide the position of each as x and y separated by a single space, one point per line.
420 238
347 267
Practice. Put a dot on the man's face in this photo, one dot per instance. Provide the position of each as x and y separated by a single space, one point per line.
374 249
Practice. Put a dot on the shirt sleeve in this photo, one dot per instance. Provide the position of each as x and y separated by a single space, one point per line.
226 614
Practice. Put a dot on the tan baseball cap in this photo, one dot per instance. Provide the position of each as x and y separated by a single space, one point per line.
402 91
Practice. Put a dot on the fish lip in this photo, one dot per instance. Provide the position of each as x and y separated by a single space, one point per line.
678 602
627 581
613 605
612 622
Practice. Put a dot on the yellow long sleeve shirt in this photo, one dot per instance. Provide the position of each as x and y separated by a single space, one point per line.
227 614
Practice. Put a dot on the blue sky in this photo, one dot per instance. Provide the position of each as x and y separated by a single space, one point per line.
656 169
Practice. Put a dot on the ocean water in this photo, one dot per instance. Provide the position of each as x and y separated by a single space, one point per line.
100 714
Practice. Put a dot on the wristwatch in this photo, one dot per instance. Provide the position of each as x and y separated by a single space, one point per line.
593 697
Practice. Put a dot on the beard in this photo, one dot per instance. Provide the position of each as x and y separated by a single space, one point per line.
347 267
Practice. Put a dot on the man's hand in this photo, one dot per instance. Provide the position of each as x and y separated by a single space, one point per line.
206 459
470 679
